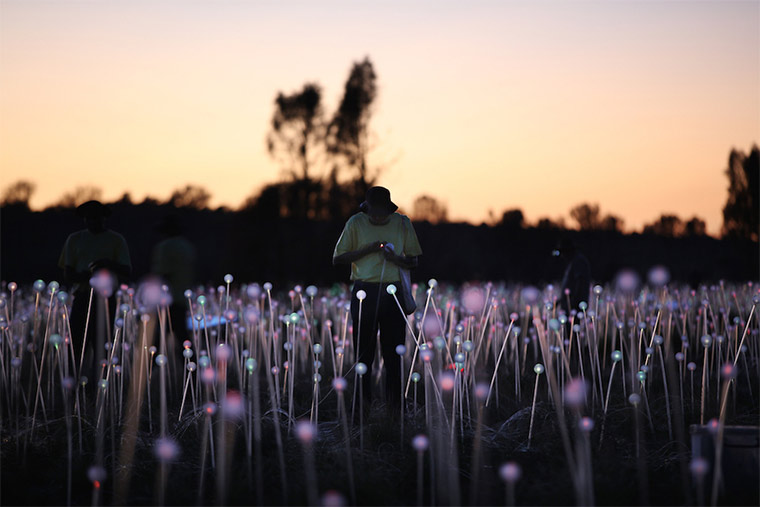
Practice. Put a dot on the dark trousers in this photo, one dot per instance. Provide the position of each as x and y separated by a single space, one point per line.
96 331
382 314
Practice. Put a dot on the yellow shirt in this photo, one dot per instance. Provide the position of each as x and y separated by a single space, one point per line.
359 232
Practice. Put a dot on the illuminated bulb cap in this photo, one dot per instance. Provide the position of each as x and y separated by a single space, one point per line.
391 289
339 384
510 472
420 443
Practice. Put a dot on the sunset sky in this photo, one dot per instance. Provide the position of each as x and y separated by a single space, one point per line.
485 105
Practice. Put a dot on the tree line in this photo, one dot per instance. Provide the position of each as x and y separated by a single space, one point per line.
324 159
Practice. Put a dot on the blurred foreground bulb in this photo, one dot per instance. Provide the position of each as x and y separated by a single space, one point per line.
166 449
420 443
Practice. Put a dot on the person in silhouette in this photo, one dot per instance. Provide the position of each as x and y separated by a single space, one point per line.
577 275
173 260
92 251
365 244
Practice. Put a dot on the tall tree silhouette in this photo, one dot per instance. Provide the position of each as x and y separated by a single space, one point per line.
348 131
297 129
742 210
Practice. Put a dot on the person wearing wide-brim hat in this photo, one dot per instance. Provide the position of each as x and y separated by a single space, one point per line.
85 253
376 242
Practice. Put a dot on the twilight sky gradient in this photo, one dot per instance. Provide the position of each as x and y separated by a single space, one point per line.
485 105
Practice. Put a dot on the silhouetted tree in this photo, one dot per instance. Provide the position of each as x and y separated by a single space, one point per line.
348 131
695 227
300 199
297 129
125 199
586 215
548 223
667 225
513 219
192 196
79 195
741 214
429 209
611 223
18 194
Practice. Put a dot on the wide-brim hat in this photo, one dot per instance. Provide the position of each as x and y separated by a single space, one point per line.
378 200
93 209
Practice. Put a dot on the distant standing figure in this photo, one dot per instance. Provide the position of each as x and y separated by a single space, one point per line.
373 267
84 253
173 260
577 275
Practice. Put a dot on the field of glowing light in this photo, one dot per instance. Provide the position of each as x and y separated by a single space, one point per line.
508 399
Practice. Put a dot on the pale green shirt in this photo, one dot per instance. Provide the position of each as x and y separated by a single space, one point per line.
359 232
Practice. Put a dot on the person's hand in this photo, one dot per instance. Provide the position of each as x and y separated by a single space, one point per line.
374 246
390 255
